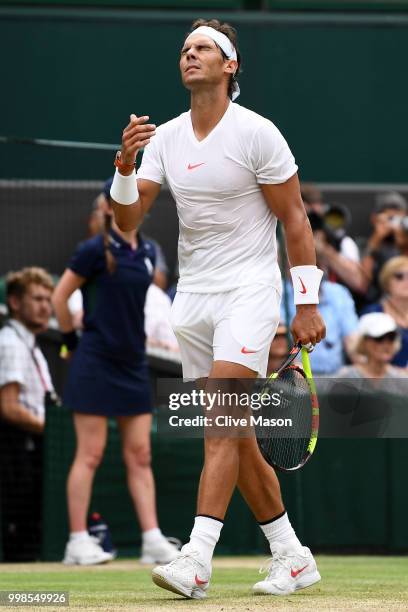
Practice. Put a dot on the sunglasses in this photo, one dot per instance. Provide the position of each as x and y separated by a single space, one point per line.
400 275
390 337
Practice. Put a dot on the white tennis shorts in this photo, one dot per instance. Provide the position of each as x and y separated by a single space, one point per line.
236 326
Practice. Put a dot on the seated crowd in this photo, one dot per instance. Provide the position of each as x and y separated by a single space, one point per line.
356 283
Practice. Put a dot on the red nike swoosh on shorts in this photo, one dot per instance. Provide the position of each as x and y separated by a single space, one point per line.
303 289
192 166
294 573
246 351
200 582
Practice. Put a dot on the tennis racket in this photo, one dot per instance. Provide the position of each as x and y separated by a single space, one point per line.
298 402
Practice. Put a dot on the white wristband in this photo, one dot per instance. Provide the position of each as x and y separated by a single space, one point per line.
306 283
124 188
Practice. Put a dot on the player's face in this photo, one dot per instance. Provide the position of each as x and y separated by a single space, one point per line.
34 308
201 62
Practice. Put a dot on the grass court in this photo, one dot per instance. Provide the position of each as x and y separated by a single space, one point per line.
348 583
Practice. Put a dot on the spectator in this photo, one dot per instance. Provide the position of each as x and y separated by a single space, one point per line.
378 342
338 250
345 270
370 396
390 208
393 280
337 219
108 377
159 331
25 383
312 198
24 374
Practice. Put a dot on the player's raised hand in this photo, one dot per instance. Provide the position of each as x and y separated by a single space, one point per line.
136 135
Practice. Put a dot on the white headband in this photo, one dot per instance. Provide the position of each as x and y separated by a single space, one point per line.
225 44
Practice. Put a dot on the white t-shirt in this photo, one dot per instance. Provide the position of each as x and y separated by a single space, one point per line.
227 232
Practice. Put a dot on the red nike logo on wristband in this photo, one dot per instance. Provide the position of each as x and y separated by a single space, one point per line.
246 351
294 573
192 166
303 289
200 582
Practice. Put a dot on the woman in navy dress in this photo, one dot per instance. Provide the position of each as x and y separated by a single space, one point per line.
108 377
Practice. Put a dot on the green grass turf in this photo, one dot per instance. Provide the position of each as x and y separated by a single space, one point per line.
348 583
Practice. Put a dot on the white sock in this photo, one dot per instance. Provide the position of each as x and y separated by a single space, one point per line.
280 530
152 536
77 536
204 536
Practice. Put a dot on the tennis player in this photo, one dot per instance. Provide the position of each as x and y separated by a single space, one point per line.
232 175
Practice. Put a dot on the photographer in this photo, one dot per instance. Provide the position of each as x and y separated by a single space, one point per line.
390 209
328 243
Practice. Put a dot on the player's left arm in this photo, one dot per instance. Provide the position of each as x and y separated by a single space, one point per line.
285 202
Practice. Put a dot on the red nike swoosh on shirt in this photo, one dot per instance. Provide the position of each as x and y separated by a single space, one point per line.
200 582
303 289
294 573
246 351
192 166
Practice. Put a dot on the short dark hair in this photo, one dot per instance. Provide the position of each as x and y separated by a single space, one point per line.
231 33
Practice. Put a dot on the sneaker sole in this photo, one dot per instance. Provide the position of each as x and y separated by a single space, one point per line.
302 583
308 580
164 583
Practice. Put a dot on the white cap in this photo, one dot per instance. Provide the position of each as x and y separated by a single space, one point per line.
376 324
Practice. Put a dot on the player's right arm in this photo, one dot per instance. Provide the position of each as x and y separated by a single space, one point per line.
136 135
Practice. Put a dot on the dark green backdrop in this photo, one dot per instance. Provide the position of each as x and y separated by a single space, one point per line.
335 84
350 496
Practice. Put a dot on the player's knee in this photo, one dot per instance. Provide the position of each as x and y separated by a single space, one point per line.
218 447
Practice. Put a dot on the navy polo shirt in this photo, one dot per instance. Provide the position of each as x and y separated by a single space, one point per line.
114 303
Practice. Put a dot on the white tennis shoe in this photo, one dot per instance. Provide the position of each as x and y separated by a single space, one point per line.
86 551
163 551
289 571
187 575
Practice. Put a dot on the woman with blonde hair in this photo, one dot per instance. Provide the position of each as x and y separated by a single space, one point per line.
394 302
